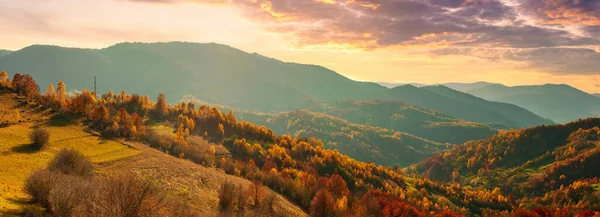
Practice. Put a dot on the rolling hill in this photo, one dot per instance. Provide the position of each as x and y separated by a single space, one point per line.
361 142
540 163
224 75
402 117
561 103
194 184
465 106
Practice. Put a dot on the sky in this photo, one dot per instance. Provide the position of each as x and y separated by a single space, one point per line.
514 42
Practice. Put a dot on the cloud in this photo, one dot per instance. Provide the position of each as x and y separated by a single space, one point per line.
179 1
552 36
560 12
558 61
371 24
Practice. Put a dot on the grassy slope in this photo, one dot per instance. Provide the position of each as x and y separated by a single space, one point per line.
196 184
18 159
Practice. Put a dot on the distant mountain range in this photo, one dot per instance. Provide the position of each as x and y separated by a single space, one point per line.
554 101
559 102
596 94
224 75
462 87
392 85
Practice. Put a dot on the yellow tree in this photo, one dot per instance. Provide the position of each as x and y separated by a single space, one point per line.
61 92
4 79
50 91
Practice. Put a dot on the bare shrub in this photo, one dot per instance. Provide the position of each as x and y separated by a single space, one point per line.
39 137
242 199
128 195
71 162
39 184
256 192
226 195
67 196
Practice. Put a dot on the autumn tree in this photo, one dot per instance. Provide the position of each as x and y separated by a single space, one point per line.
221 130
397 208
161 107
25 85
17 81
337 186
50 91
4 83
101 116
322 204
61 93
257 192
82 104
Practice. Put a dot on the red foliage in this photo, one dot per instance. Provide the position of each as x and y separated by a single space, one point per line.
397 208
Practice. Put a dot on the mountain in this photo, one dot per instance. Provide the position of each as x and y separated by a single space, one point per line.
559 102
361 142
392 85
221 73
465 106
4 52
224 75
542 163
464 87
596 95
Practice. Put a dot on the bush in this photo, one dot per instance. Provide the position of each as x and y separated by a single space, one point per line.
39 184
71 162
226 195
128 195
67 197
39 137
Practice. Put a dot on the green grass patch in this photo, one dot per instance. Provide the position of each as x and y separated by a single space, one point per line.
163 129
18 159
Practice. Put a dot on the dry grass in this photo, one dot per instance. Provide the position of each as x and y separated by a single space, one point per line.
196 185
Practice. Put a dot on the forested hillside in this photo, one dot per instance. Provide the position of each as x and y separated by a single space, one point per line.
224 75
361 142
553 166
402 117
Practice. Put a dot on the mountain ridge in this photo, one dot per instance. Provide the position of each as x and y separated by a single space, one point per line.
554 101
222 74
